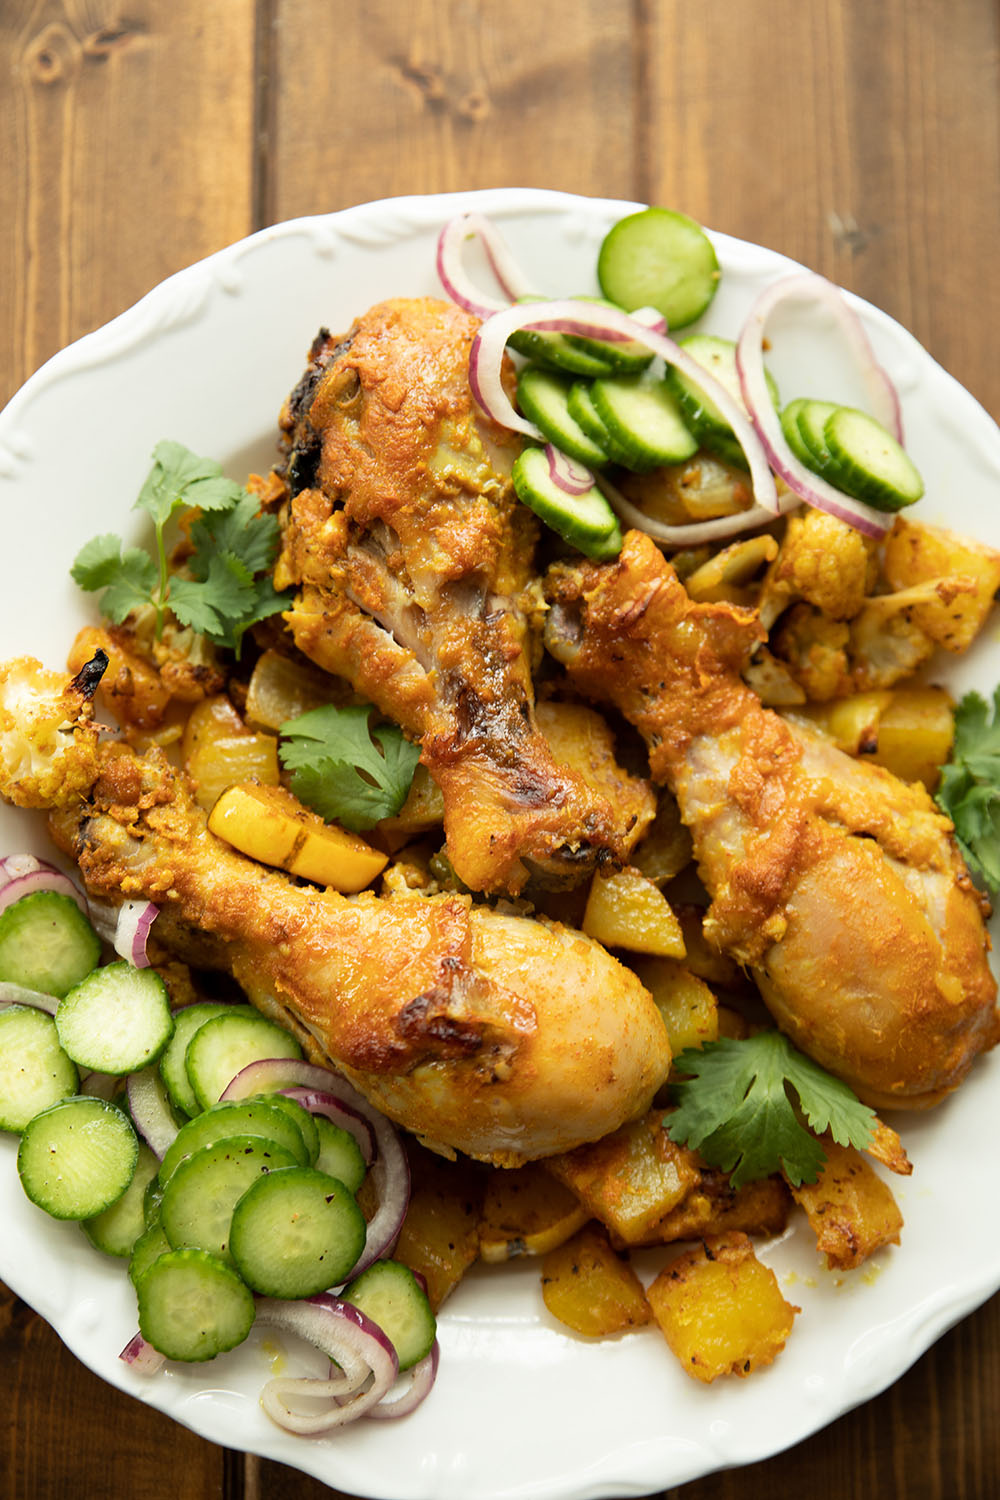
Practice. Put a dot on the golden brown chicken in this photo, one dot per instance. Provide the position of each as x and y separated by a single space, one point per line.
838 885
409 551
492 1034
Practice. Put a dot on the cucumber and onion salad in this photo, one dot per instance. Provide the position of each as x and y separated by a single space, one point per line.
590 397
197 1144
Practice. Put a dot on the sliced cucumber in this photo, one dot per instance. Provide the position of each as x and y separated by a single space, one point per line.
810 419
793 433
717 357
46 943
868 461
659 258
296 1232
543 396
150 1245
187 1020
586 521
198 1201
117 1020
261 1118
389 1293
625 357
644 421
225 1045
302 1119
554 351
580 405
339 1154
77 1157
116 1230
192 1306
34 1070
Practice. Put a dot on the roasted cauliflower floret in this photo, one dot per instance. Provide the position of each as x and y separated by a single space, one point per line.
48 740
823 561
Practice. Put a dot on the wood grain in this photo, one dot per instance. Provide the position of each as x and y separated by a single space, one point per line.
861 139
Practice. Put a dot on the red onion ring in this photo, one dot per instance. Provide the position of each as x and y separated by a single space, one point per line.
141 1356
18 994
323 1103
150 1109
568 474
23 874
135 918
365 1356
813 488
590 320
415 1385
454 277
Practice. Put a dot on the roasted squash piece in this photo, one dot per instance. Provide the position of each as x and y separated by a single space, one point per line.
720 1309
440 1234
590 1288
851 1210
270 824
631 1179
625 910
526 1212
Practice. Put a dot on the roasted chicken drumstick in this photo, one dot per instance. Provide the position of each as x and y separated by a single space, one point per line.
839 886
409 552
492 1034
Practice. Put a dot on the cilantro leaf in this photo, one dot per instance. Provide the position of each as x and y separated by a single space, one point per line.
969 790
343 769
735 1108
179 477
127 577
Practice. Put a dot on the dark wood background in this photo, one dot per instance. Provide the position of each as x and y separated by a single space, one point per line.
859 136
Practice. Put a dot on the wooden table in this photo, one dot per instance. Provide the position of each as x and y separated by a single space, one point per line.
861 138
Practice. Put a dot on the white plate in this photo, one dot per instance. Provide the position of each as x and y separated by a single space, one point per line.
521 1408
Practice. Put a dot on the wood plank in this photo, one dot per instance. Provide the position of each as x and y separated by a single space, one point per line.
861 139
461 96
64 1432
128 155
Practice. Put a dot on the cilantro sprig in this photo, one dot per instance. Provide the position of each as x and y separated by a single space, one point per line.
226 587
346 770
969 790
735 1108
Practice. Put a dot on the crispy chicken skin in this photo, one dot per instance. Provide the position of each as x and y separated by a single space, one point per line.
491 1034
408 550
838 885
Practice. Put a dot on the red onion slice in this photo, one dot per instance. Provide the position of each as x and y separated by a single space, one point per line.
18 994
568 474
150 1109
591 320
319 1102
135 918
23 874
414 1385
812 488
367 1363
455 279
142 1357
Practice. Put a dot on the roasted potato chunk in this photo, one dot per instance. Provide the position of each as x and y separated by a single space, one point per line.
689 1009
851 1210
590 1288
625 910
581 738
440 1234
714 1206
916 553
526 1212
720 1309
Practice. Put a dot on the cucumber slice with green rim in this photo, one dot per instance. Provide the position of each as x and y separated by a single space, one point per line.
554 351
116 1230
586 521
659 258
303 1121
187 1020
77 1157
227 1044
868 462
262 1118
34 1070
389 1293
793 433
543 396
150 1245
810 420
296 1232
644 421
625 357
580 405
192 1306
717 357
117 1020
46 943
339 1154
198 1201
151 1200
